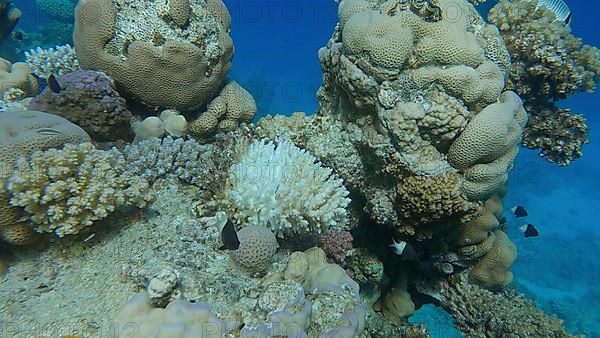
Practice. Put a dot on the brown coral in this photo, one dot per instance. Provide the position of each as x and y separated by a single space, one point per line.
21 133
481 313
177 74
491 271
17 76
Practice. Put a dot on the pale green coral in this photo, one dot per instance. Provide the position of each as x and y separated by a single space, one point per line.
67 190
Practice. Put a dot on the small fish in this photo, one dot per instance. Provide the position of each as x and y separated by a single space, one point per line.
229 237
53 84
529 230
559 8
403 249
502 221
519 211
18 35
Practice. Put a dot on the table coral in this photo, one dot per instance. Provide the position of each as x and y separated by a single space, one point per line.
158 63
90 100
65 191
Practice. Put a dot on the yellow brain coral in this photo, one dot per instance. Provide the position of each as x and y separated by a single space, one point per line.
67 190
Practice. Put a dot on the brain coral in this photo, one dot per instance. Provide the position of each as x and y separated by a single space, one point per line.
67 190
257 247
280 186
21 133
88 99
159 62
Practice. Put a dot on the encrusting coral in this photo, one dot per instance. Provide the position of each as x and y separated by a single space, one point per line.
21 133
90 100
281 187
157 63
65 191
549 63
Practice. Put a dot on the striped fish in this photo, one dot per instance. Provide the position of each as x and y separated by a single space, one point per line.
559 8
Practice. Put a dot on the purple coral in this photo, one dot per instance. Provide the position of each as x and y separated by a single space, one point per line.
88 99
336 244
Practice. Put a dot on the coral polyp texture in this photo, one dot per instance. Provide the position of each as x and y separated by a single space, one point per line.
177 59
22 133
549 63
67 190
90 100
282 187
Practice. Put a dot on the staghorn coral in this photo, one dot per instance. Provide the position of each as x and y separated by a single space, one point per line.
21 133
559 134
88 99
9 17
482 313
17 76
280 186
57 60
257 247
158 63
225 112
65 191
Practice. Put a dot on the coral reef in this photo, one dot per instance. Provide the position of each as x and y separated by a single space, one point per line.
280 186
65 191
337 244
17 76
548 63
56 60
481 313
559 134
225 112
158 63
21 133
9 17
60 10
88 99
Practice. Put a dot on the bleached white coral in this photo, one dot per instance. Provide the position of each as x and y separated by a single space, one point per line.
155 158
282 187
67 190
57 61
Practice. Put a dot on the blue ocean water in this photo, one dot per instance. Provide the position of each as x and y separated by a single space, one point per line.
276 45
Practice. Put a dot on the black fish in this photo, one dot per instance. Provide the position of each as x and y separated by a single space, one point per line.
53 84
529 230
519 211
502 220
404 250
229 237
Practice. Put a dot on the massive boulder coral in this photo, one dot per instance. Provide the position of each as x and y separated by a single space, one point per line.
9 17
17 76
177 59
88 99
65 191
225 112
282 187
549 63
22 133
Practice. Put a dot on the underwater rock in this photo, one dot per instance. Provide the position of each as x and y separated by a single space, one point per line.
88 99
161 288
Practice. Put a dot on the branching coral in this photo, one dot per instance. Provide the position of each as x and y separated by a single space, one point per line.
67 190
549 63
482 313
57 61
280 186
559 134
